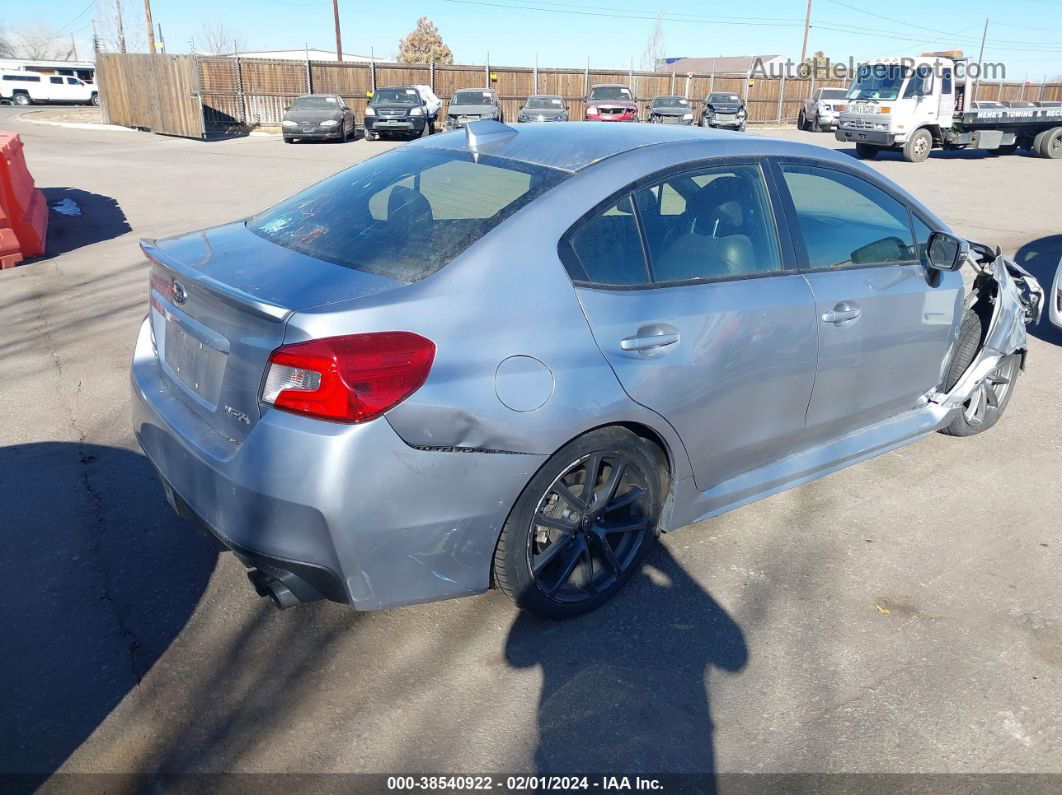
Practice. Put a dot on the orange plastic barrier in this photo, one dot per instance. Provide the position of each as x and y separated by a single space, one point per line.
23 209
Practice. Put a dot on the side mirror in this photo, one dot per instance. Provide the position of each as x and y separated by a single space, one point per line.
946 252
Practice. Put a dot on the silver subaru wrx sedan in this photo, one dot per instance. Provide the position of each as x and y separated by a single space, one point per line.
511 357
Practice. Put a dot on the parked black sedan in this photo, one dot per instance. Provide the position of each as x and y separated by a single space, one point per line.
318 116
670 110
543 107
723 109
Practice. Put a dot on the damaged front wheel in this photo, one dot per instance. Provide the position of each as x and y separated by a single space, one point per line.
990 397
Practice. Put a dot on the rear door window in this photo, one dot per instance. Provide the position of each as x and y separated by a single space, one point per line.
406 213
846 221
609 249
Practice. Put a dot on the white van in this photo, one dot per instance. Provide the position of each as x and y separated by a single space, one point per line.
27 88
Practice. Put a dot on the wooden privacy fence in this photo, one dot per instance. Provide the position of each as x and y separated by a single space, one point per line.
190 95
153 92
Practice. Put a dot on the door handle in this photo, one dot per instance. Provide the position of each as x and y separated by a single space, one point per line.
650 337
844 312
648 343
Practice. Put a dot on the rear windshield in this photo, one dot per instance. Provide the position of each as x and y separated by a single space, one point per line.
832 93
713 98
406 213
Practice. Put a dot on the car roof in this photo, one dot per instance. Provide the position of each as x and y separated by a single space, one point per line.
573 146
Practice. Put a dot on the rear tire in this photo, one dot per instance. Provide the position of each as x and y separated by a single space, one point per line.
918 146
990 398
588 550
866 151
1050 145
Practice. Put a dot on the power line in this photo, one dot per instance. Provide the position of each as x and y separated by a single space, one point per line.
949 34
84 11
636 15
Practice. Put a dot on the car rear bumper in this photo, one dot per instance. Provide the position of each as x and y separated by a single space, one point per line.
351 511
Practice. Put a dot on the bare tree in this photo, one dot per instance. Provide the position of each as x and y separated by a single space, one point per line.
41 43
6 48
424 44
120 25
654 53
219 39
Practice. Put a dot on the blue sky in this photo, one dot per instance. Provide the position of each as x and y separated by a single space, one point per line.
1027 35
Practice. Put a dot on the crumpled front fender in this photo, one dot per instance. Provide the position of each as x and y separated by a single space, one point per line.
1016 300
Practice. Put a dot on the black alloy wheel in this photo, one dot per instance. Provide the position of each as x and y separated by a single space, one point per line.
582 525
589 527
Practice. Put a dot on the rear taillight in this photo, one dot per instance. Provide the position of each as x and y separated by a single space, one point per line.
348 379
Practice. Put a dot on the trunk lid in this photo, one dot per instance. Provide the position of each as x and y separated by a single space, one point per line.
220 301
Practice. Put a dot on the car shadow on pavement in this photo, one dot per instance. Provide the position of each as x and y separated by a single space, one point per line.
627 691
1041 258
99 578
100 218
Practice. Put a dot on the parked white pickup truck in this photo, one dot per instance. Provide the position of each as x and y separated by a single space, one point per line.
822 110
28 88
914 105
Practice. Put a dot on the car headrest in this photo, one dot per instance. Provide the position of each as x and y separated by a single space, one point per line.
721 199
408 208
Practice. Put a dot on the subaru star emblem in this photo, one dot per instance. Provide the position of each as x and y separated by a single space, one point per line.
179 294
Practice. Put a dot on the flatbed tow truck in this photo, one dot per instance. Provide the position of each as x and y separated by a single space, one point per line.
915 105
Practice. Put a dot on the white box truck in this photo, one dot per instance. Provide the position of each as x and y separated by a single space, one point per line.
914 105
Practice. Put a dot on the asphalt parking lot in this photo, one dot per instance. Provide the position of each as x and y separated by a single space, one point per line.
902 615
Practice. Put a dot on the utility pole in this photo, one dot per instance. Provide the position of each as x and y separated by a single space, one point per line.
118 22
150 26
807 25
162 39
339 39
980 61
95 38
73 46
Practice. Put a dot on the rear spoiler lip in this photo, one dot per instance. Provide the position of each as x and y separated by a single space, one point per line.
226 293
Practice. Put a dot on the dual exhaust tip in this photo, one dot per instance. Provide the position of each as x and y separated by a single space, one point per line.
268 585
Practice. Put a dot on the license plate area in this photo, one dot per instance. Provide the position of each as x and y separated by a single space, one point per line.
193 357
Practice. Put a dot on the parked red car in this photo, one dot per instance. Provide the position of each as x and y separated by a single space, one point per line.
611 102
